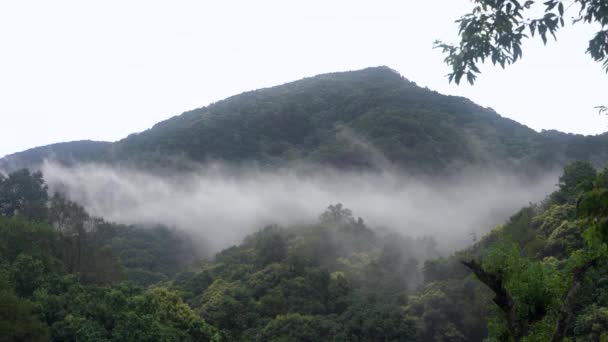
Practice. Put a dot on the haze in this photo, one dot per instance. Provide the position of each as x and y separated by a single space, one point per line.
222 205
74 70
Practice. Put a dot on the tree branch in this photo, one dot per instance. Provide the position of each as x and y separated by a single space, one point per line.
567 308
506 304
502 298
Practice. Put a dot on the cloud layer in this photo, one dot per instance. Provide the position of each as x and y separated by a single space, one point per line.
222 205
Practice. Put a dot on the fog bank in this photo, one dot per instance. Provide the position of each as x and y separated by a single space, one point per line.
223 205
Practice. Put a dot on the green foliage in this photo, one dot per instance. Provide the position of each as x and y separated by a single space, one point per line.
564 240
536 256
360 120
577 178
553 217
354 120
592 324
27 274
119 313
18 320
593 210
270 245
151 254
23 193
520 229
78 328
23 236
292 327
376 321
494 30
336 279
450 310
228 306
537 286
66 153
46 272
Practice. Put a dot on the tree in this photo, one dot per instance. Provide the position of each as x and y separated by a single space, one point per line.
24 194
495 29
18 322
78 328
23 236
292 327
270 245
534 300
538 300
369 320
227 306
28 274
577 178
337 214
70 219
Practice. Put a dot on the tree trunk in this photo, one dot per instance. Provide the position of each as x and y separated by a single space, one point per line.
505 303
567 308
502 298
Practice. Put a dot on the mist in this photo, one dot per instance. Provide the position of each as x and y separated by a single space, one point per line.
222 205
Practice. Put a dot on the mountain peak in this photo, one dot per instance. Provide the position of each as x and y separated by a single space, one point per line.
369 74
349 119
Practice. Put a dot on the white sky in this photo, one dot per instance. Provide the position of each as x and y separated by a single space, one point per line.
100 70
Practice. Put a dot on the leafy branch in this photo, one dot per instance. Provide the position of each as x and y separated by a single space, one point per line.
495 29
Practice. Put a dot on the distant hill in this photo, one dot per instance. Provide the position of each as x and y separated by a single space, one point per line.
359 119
65 153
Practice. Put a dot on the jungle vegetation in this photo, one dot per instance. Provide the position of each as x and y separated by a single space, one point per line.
66 276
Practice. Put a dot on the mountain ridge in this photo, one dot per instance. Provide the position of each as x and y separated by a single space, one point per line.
336 119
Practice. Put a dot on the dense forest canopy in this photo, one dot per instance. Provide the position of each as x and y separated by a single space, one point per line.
65 275
365 119
209 226
541 295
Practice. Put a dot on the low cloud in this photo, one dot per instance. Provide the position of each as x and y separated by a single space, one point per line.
222 205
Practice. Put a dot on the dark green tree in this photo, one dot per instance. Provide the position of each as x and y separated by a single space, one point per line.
18 320
539 299
292 327
70 219
577 178
270 245
25 194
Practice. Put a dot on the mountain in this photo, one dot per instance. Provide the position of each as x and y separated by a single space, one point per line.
65 153
331 279
358 119
540 276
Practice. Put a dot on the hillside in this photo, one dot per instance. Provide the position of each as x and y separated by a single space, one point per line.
334 279
68 275
65 153
360 119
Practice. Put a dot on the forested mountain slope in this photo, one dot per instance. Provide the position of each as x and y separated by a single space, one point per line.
539 277
342 119
359 119
66 153
66 276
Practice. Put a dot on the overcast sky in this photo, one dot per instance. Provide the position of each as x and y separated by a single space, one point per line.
100 70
